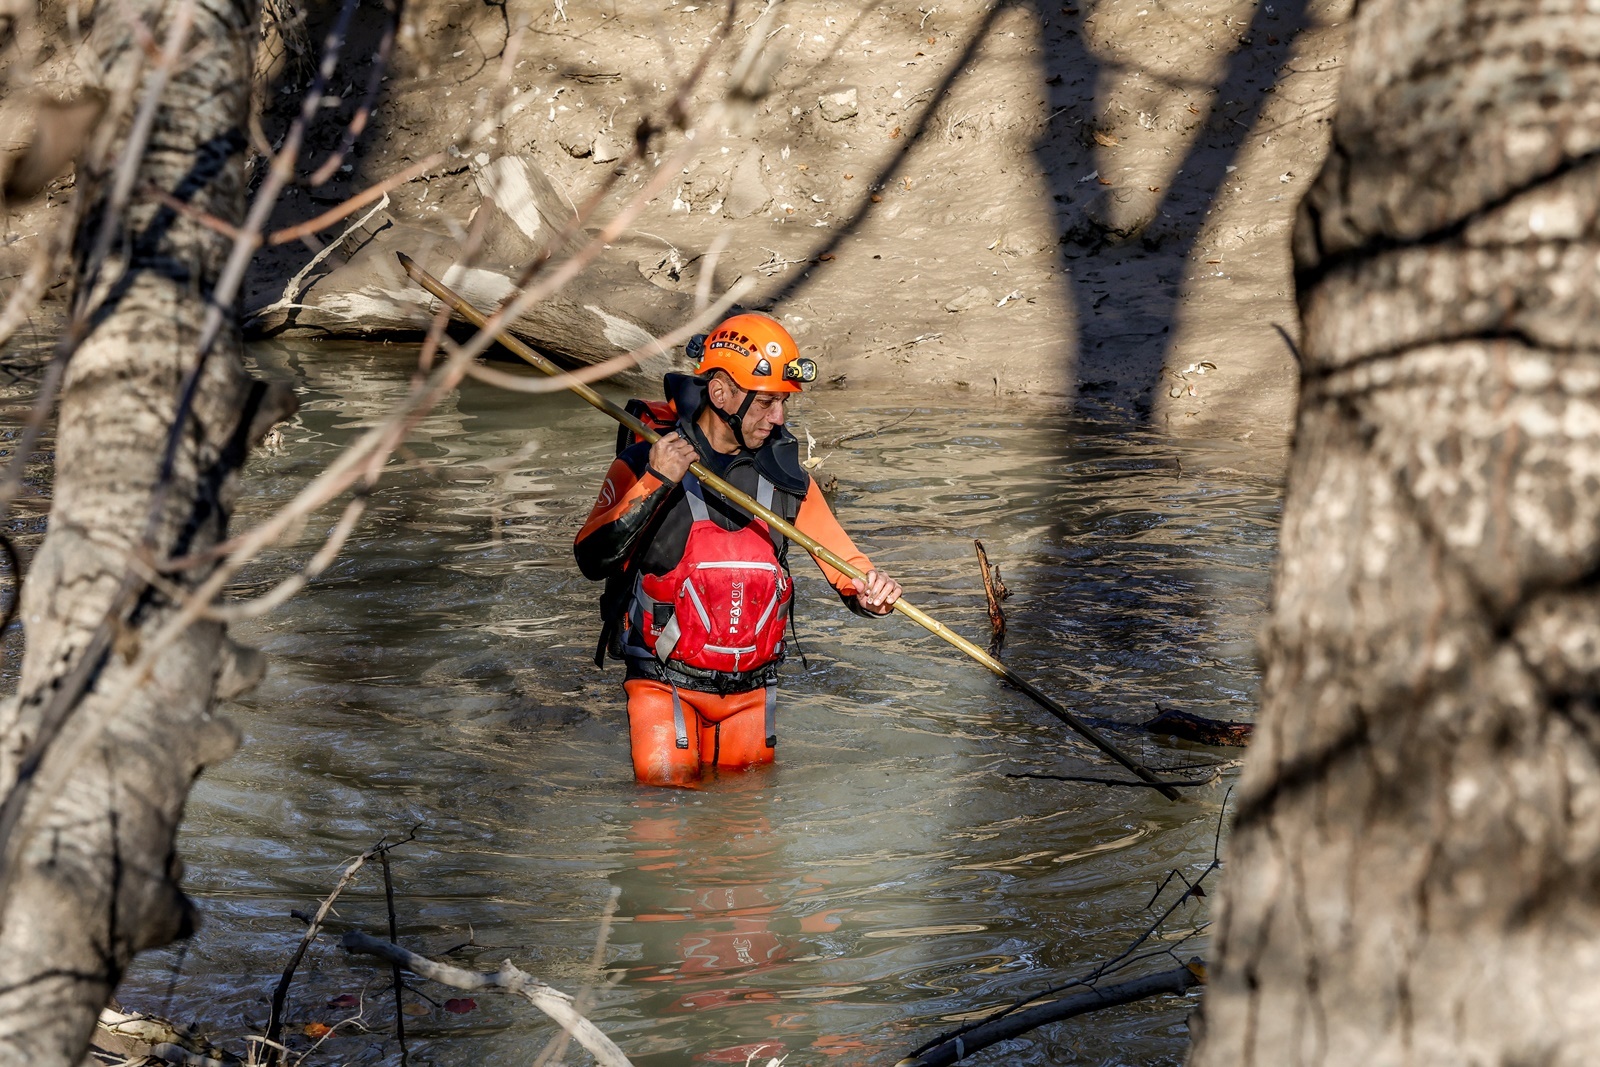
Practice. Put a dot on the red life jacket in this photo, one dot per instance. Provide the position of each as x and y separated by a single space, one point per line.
724 605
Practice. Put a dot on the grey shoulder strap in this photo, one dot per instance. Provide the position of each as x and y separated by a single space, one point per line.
765 491
694 493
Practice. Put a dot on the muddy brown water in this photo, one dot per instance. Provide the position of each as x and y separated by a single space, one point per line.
886 878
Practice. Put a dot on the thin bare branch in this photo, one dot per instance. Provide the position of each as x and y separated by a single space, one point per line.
281 992
394 935
280 594
189 211
597 961
355 203
516 383
708 268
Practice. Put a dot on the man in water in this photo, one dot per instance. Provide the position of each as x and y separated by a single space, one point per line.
698 592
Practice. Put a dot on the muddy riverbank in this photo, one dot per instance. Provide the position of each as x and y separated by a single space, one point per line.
1083 204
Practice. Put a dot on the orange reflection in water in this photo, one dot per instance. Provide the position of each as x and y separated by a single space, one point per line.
715 906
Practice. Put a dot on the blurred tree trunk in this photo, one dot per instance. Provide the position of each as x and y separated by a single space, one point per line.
1414 873
98 879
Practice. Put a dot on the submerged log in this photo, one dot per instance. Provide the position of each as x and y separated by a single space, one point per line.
1176 981
609 309
1200 730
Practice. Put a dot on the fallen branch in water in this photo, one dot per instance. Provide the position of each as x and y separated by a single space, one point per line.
1193 783
1007 1021
508 979
1200 730
1176 981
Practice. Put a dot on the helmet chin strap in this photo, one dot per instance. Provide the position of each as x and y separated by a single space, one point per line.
735 421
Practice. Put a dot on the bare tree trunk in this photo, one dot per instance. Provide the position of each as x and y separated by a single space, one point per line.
1414 868
95 761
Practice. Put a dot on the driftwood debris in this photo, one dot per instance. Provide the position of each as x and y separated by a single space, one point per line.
509 979
133 1037
1200 730
610 309
1176 981
994 590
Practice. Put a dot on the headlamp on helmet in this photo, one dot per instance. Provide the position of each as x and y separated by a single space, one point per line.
800 370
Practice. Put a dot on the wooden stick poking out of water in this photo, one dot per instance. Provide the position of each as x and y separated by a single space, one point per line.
995 591
394 968
1176 981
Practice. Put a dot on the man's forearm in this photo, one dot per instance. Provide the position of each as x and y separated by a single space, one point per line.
604 546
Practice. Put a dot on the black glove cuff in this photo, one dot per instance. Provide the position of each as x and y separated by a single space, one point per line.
659 476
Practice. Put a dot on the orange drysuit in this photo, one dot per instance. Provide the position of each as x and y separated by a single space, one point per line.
696 597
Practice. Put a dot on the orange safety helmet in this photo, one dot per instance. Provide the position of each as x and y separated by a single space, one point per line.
758 354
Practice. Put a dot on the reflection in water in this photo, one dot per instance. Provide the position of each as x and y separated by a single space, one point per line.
715 911
884 877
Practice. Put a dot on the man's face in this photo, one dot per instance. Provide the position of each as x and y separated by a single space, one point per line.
767 412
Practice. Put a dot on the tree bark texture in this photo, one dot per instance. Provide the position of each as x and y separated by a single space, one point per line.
98 879
608 310
1414 873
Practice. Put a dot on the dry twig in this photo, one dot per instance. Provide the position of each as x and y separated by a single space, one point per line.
994 591
558 1045
281 992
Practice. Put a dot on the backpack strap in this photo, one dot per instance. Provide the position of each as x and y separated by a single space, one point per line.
772 713
679 728
694 493
765 493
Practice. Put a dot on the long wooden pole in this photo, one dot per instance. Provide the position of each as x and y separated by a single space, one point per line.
804 540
